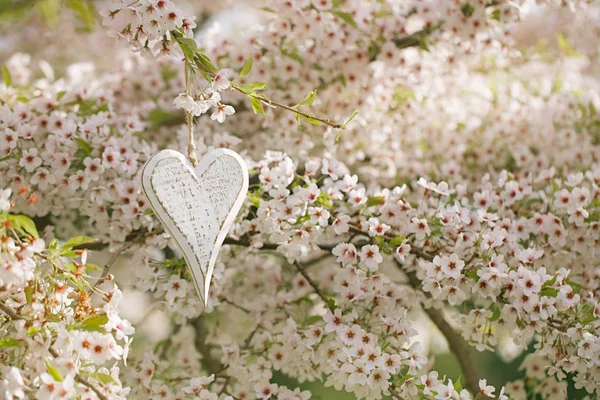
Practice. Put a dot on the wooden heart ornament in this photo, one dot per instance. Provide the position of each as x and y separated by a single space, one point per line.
197 206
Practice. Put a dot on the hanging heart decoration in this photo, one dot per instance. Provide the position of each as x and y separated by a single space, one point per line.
196 205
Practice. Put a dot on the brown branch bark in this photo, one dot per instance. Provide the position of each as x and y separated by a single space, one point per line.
461 349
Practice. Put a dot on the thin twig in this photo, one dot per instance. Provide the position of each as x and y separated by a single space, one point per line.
273 103
269 246
312 283
111 262
191 149
79 378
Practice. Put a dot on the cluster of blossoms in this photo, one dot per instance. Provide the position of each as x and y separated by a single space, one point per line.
146 25
62 336
467 187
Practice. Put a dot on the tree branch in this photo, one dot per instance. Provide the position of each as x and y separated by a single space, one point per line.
313 284
461 349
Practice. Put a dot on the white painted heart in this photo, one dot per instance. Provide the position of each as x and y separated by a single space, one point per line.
197 206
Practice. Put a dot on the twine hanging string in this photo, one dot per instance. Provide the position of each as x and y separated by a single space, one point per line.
191 148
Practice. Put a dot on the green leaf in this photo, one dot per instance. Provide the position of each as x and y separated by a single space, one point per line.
83 146
188 47
104 378
548 291
472 273
346 17
94 323
247 67
202 60
28 294
8 342
324 199
251 88
78 241
255 200
529 202
587 319
54 372
32 330
159 344
313 319
92 267
564 45
495 314
293 55
458 385
60 95
6 75
402 95
331 304
24 224
257 106
85 11
308 100
70 266
302 219
49 10
343 127
375 200
550 282
397 241
311 120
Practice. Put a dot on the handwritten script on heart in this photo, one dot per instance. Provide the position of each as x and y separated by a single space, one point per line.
197 206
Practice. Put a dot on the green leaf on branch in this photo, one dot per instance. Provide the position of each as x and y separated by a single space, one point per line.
343 127
302 219
106 379
6 75
24 224
28 294
92 267
84 147
308 100
188 47
313 319
78 241
310 120
346 17
397 241
293 55
257 106
495 314
324 200
549 292
247 67
550 282
251 88
8 342
94 324
202 60
54 372
375 201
